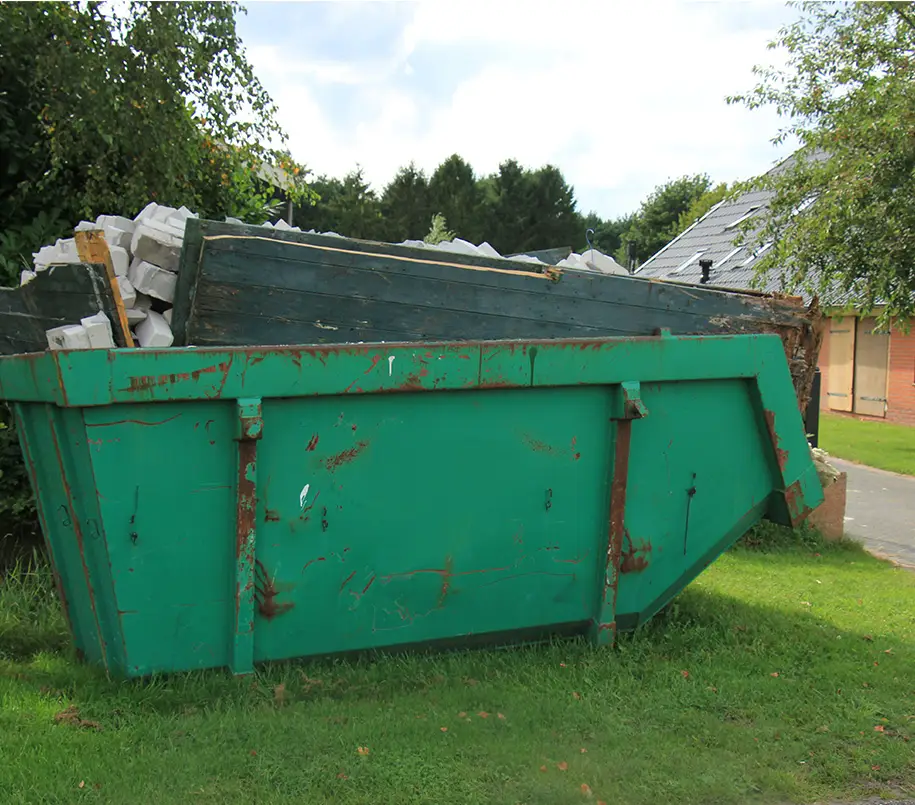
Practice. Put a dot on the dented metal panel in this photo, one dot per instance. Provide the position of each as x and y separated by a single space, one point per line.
222 507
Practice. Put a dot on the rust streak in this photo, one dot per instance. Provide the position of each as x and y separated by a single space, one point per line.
131 421
265 592
312 444
344 457
375 360
347 580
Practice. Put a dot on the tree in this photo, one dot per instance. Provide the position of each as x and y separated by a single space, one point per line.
849 99
439 231
102 110
608 235
405 205
701 206
454 193
657 221
348 207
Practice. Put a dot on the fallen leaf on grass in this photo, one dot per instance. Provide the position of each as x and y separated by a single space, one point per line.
583 750
576 695
71 716
869 638
279 693
806 603
462 714
875 768
483 714
253 753
362 750
888 651
444 729
562 766
713 689
876 663
342 776
774 673
82 784
823 728
879 728
586 789
543 768
684 674
500 716
562 665
601 802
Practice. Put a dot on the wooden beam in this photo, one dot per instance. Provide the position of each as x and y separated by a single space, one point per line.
92 248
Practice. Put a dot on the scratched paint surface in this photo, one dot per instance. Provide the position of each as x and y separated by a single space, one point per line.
430 515
670 534
169 500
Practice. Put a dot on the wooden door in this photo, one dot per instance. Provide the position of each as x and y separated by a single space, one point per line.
872 348
841 375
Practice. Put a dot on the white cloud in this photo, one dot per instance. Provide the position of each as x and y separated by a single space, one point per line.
621 96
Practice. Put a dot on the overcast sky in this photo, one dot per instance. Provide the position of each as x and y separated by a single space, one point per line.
621 96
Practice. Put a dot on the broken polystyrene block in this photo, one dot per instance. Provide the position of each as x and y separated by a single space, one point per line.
143 302
86 226
115 236
70 336
159 245
601 262
154 331
282 226
135 315
525 258
167 315
485 249
153 280
116 222
147 212
120 260
98 330
26 277
416 244
128 292
179 218
231 220
163 213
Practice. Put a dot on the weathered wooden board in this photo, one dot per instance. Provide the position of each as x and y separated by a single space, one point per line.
245 285
60 295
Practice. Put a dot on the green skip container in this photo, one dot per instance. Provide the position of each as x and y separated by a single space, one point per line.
223 507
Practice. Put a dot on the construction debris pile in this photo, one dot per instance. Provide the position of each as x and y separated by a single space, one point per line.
146 256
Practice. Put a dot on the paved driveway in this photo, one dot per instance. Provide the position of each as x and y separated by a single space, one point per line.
880 511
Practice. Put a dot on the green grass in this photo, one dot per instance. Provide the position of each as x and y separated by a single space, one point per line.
764 682
876 444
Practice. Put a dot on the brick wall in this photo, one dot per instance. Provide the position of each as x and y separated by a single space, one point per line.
901 391
901 396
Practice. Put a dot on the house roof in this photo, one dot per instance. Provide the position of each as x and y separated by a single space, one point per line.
713 237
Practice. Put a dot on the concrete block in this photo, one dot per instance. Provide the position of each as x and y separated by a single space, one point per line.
487 250
128 292
167 315
115 236
154 332
135 315
599 261
157 245
153 280
98 330
70 336
120 260
143 302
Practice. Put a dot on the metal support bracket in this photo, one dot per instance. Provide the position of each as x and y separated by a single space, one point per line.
249 429
627 405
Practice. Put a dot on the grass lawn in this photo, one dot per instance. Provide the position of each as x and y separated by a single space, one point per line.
786 675
876 444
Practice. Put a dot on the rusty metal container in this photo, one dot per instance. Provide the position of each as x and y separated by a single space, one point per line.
221 507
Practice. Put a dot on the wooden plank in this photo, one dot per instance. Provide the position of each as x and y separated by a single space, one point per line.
60 295
871 359
686 308
92 248
841 363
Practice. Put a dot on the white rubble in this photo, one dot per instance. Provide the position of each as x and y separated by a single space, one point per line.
154 331
69 336
128 292
135 315
153 280
167 315
158 243
120 260
98 331
26 277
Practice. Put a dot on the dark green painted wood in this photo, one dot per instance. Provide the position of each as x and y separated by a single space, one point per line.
61 295
249 285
